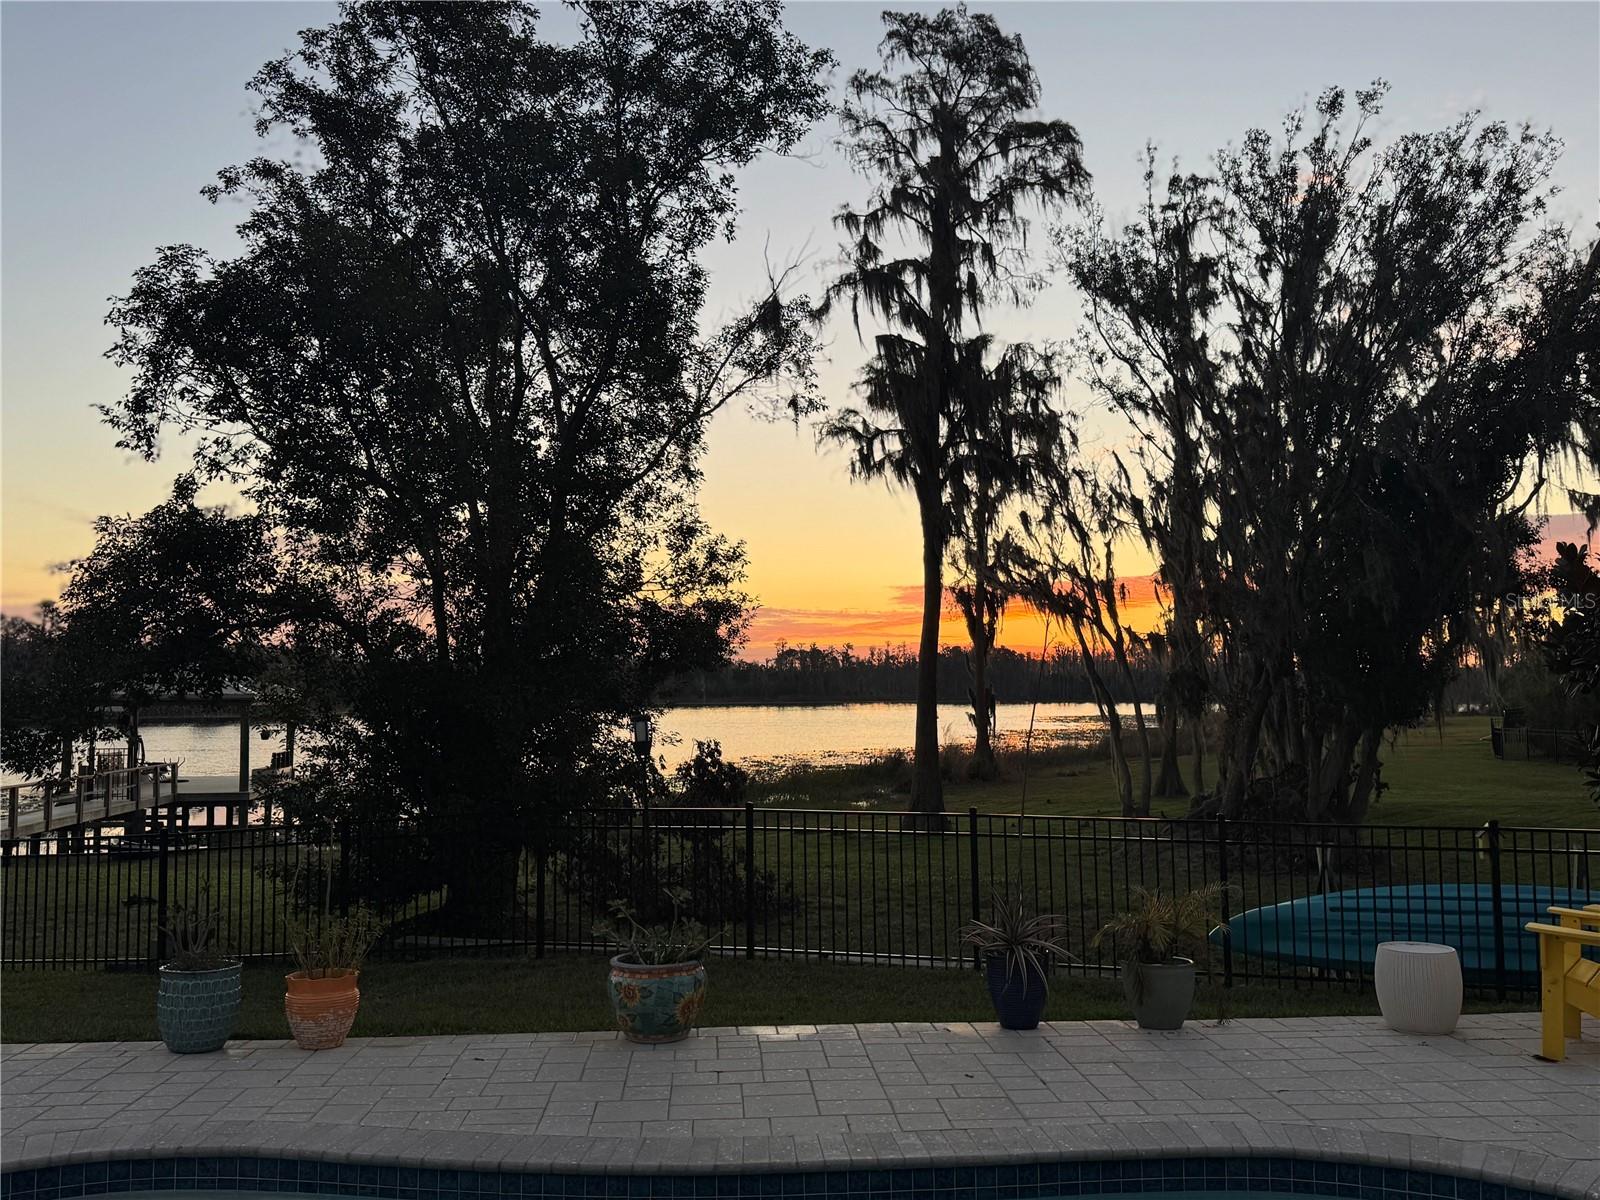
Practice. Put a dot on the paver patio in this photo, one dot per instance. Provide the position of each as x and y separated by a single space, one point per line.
850 1094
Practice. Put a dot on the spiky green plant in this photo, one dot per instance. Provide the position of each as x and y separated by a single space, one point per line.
1029 941
680 940
327 943
192 935
1159 926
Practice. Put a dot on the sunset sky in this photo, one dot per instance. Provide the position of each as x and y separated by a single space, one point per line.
115 115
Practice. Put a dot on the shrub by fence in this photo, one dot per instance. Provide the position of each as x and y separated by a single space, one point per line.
861 887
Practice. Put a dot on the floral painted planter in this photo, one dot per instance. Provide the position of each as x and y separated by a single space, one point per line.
195 1010
321 1011
657 1003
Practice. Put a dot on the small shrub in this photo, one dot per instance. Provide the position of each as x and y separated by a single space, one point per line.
680 939
334 943
709 781
192 939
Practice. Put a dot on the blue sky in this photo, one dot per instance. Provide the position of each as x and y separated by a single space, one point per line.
114 115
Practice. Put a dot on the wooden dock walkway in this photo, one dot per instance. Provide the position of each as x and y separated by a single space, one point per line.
106 795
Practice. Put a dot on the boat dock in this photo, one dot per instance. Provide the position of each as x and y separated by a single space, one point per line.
35 809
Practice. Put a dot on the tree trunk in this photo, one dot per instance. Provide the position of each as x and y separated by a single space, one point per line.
1119 765
1199 733
1108 709
983 765
1361 790
1169 782
1241 740
927 789
1140 724
481 888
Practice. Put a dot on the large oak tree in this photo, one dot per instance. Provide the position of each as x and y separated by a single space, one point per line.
1348 368
458 366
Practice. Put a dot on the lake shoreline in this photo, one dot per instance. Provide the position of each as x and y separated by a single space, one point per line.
679 702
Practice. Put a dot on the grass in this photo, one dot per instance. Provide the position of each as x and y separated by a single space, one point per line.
526 995
1435 776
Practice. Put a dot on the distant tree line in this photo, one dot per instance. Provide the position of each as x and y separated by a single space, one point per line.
842 674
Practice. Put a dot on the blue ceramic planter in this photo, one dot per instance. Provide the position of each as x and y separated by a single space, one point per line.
195 1010
1019 995
657 1003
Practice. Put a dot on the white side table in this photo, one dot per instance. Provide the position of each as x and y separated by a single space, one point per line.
1419 986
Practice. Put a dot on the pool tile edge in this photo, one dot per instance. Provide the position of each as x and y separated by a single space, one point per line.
1505 1166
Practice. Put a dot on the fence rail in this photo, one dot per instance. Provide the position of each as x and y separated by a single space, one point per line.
1525 742
1306 905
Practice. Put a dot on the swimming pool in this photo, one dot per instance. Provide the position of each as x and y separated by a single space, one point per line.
248 1178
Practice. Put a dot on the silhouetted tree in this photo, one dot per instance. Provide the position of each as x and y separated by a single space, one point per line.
457 366
55 696
1572 646
944 133
1341 361
1012 437
1062 561
179 600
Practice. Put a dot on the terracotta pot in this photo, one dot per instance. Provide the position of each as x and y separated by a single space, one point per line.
657 1003
321 1011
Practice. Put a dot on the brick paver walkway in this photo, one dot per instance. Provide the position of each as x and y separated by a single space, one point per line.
819 1084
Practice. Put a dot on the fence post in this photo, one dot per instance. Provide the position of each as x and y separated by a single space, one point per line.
344 868
1222 879
163 836
538 903
1498 914
972 875
749 879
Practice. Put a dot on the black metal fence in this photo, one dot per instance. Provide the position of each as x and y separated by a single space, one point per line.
1521 741
1305 905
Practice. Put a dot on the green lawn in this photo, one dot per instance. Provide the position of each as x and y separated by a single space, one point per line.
1434 777
568 993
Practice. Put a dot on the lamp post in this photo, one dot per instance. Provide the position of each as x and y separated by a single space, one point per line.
641 747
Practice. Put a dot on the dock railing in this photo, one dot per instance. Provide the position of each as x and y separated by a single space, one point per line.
48 806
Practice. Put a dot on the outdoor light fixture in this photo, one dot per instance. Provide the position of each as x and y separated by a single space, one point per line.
641 735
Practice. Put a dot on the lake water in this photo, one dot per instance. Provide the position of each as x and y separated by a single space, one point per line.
754 733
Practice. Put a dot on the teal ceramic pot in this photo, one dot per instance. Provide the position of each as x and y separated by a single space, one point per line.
657 1003
195 1010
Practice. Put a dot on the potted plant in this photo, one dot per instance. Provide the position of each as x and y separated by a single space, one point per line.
1018 949
1154 935
197 999
321 998
658 982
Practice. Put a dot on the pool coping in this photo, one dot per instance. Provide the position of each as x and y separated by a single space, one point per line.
1506 1166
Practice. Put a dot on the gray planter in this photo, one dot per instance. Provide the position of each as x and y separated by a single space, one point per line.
1161 994
195 1010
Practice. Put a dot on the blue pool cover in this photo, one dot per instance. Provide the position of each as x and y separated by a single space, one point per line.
1340 931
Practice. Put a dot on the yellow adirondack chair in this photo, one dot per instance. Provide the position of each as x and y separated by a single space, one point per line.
1569 984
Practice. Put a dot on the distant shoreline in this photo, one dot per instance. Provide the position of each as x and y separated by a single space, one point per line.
755 703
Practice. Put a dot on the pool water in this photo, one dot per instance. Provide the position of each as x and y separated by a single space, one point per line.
202 1194
1149 1178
